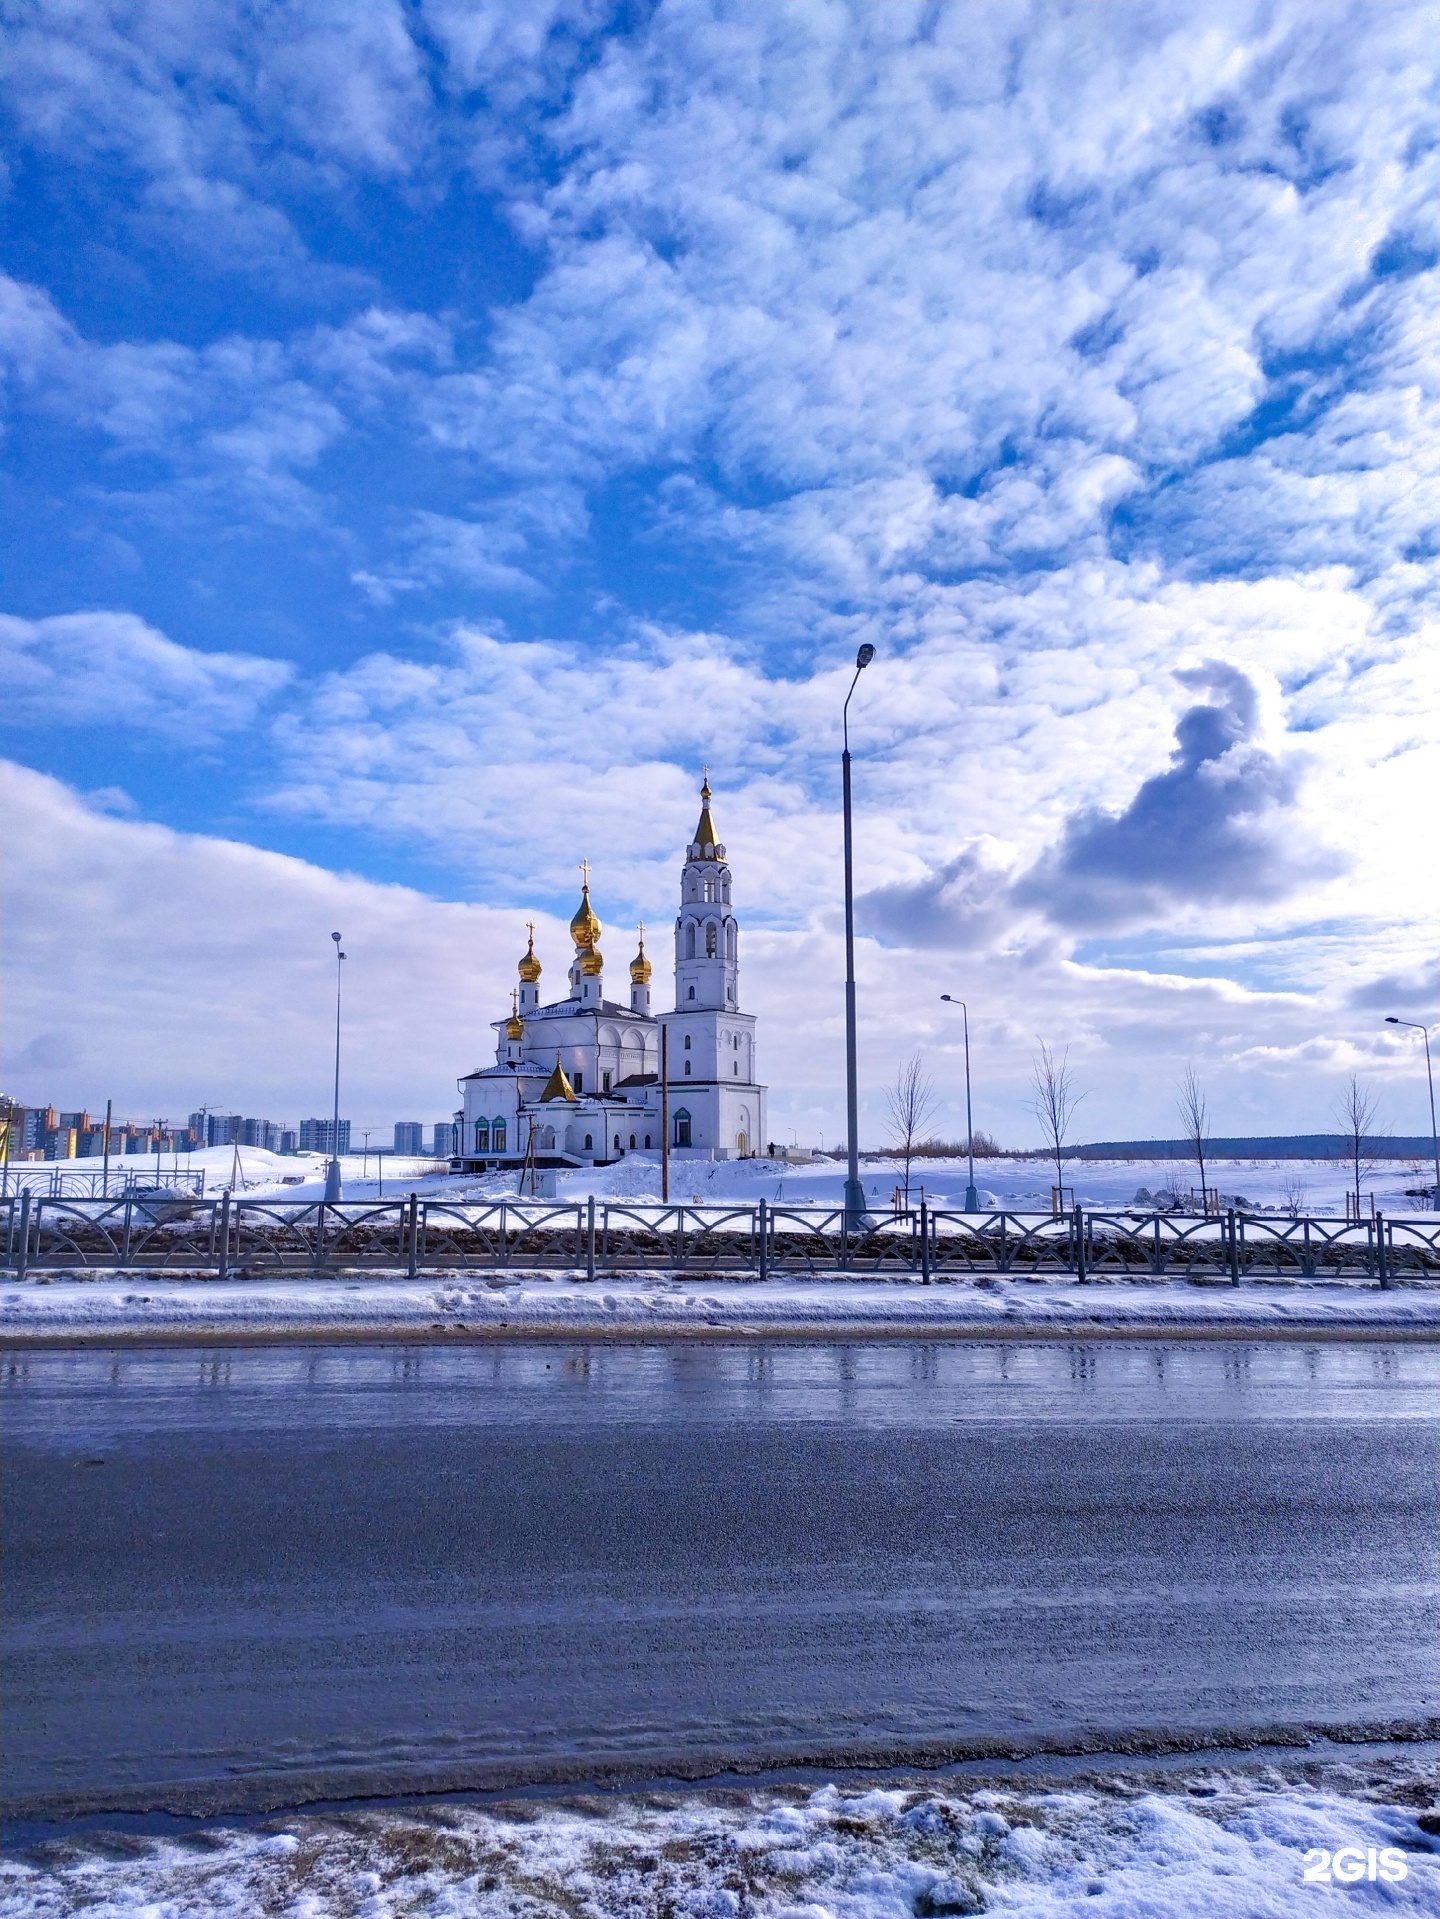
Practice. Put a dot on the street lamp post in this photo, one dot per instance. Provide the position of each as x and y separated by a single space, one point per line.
1424 1032
972 1199
854 1191
332 1171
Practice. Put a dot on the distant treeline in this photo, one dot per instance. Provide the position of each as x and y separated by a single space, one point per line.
1266 1146
1277 1146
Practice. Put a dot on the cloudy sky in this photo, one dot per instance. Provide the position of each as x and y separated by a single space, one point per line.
433 431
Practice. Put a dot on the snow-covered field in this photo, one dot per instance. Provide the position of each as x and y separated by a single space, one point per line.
1312 1186
1206 1844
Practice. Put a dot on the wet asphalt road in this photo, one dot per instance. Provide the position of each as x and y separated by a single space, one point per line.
255 1576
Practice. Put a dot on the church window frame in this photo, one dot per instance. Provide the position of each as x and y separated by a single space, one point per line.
482 1136
687 1042
497 1135
712 940
689 939
687 1069
691 993
589 1143
578 1083
682 1128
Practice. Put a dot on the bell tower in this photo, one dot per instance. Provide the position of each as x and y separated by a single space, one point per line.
707 937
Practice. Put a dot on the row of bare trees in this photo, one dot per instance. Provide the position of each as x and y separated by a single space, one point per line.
1055 1099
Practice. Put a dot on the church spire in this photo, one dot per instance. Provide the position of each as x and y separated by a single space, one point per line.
705 844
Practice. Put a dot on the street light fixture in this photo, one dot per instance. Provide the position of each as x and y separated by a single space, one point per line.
332 1171
1424 1032
854 1191
972 1199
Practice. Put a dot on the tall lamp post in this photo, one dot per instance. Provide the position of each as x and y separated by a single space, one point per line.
1424 1032
972 1199
332 1171
854 1191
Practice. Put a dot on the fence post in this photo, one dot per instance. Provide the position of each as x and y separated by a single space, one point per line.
764 1248
504 1259
1079 1245
412 1235
224 1260
319 1233
1382 1264
590 1237
22 1252
924 1241
1231 1234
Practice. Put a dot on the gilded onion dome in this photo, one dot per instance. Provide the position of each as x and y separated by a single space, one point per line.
515 1026
530 968
585 928
640 966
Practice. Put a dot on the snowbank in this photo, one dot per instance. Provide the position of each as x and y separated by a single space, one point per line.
136 1306
1127 1846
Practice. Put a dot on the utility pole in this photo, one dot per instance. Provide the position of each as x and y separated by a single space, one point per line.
665 1114
854 1191
105 1167
332 1172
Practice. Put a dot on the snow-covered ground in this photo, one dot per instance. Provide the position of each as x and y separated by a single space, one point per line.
1022 1185
1197 1845
139 1305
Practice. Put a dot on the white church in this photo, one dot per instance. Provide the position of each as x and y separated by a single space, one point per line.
578 1082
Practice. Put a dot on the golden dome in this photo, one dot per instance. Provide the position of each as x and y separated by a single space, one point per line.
640 966
557 1086
530 968
514 1026
585 928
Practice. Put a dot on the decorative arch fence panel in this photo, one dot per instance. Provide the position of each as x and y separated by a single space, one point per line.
229 1237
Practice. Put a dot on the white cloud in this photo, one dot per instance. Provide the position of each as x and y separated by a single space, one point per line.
111 669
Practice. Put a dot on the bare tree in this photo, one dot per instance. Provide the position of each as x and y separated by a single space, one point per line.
911 1102
1195 1126
1294 1191
1054 1103
1356 1109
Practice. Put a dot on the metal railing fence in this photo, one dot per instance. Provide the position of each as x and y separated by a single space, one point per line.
55 1182
230 1237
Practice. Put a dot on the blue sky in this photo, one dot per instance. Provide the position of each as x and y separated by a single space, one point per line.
431 432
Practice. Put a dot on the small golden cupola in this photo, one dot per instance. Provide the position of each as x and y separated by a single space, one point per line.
640 968
530 968
515 1026
557 1086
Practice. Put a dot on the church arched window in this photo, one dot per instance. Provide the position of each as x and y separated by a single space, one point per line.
687 1042
682 1128
690 940
725 889
711 942
731 940
710 887
497 1135
589 1143
482 1136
